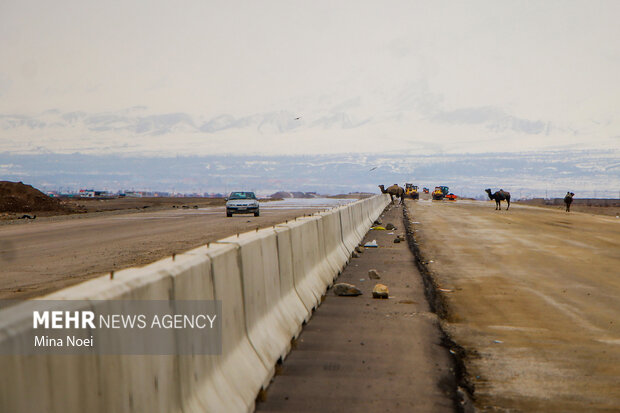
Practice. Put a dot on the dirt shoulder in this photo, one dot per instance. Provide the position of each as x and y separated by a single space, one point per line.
587 206
128 203
73 208
43 255
532 297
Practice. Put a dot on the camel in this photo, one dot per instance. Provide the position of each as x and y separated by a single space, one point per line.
568 199
498 197
394 191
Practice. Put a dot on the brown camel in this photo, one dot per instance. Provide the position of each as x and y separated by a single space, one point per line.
498 197
394 191
568 199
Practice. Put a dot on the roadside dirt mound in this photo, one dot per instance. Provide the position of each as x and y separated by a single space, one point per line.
18 197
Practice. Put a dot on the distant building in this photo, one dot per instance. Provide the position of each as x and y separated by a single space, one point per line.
87 193
91 193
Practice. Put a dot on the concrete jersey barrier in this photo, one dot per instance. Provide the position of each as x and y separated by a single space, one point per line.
291 297
269 327
311 279
268 282
240 364
350 237
335 251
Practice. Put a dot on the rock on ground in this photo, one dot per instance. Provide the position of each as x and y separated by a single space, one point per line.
374 274
380 291
346 290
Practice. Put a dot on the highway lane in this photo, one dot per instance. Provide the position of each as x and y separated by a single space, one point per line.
45 255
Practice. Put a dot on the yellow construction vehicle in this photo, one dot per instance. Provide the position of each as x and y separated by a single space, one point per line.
411 190
438 194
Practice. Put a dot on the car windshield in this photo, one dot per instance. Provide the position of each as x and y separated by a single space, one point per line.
242 195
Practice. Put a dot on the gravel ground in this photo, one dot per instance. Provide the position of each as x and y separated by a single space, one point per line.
532 296
43 255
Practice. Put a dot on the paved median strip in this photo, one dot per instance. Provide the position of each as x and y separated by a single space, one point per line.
360 353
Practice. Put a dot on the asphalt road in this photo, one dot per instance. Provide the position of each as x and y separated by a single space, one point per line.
533 298
40 256
359 354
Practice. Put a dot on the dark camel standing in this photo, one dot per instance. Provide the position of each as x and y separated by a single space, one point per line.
498 197
394 191
568 199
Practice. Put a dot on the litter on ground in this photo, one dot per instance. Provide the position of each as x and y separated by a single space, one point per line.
371 244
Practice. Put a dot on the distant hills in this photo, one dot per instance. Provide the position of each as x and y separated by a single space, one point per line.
589 174
285 194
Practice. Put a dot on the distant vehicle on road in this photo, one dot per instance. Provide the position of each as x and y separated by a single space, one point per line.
438 194
242 203
411 190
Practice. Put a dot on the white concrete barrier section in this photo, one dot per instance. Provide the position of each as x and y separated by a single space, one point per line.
360 223
268 282
335 251
202 386
384 200
378 204
239 363
314 251
327 268
89 382
270 328
298 308
350 237
310 280
356 219
372 208
128 381
366 211
29 383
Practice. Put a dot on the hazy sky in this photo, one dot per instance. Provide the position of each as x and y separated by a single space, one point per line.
203 77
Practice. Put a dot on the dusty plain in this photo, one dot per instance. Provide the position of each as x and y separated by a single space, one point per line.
48 253
589 206
533 297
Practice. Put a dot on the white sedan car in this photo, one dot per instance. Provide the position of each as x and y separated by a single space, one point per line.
242 203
